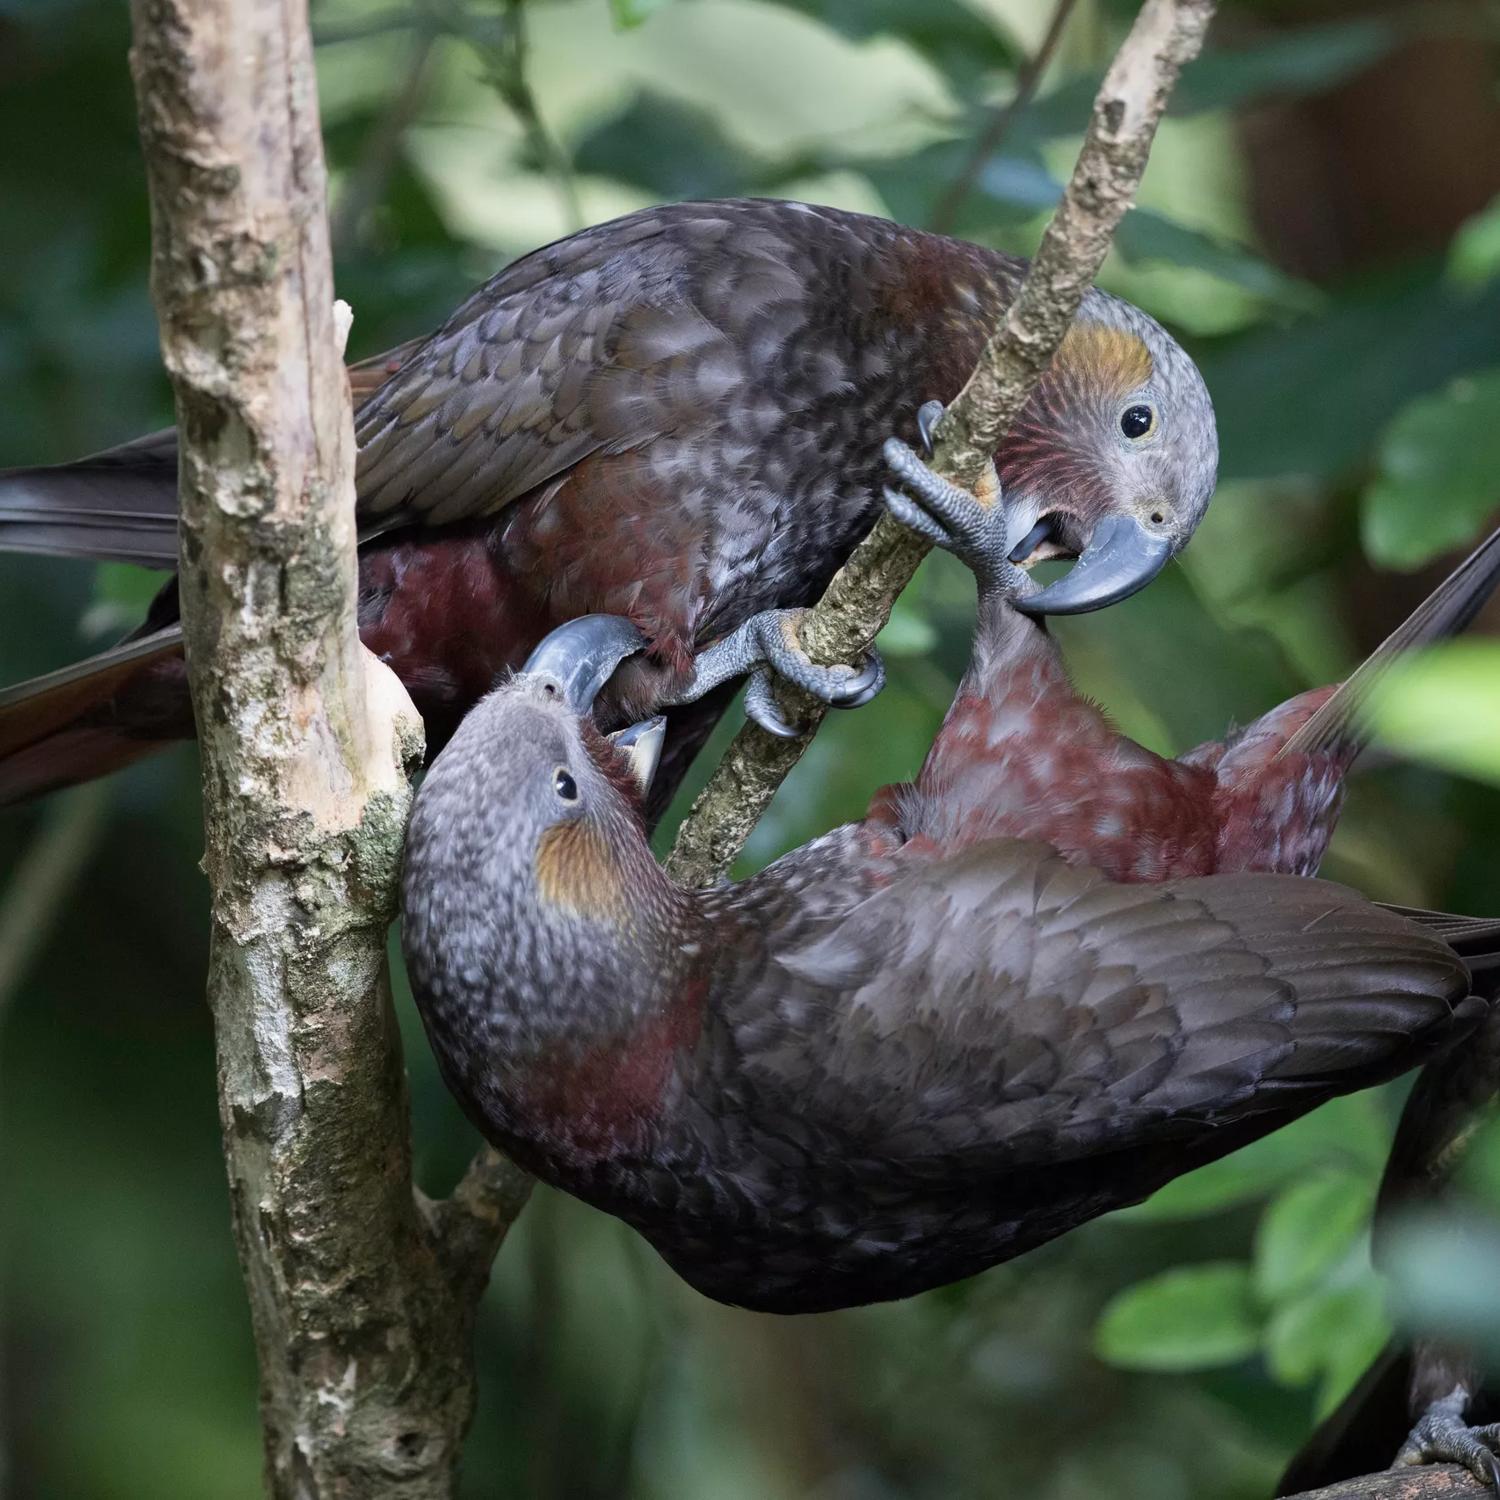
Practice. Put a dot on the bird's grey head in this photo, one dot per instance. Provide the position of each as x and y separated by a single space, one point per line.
1113 461
526 833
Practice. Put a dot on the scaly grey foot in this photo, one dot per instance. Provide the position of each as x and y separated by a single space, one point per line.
975 529
768 643
1443 1437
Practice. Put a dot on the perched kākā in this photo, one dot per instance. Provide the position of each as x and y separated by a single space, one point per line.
889 1060
675 417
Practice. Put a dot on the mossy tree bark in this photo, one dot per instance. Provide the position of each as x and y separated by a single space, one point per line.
361 1293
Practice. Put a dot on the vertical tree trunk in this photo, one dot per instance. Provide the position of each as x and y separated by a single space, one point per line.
361 1324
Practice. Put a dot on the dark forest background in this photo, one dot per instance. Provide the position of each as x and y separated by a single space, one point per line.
1320 224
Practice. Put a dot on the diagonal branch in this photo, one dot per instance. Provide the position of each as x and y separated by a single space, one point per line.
842 626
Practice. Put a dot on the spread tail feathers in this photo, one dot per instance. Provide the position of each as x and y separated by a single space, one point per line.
1445 612
116 506
69 726
121 505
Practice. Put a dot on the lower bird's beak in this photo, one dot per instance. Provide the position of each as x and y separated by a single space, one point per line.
578 658
642 746
1121 557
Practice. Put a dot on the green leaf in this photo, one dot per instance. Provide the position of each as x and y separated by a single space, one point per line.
1145 235
1191 1318
1022 185
1444 1270
669 149
1479 1169
1439 473
1311 398
1311 1226
1222 1184
1315 1333
628 14
908 632
1284 64
122 593
1304 60
1474 253
957 39
1442 708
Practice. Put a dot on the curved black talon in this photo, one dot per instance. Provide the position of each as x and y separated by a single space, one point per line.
762 708
863 685
929 414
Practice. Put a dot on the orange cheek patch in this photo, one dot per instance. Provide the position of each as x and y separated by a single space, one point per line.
576 869
1110 358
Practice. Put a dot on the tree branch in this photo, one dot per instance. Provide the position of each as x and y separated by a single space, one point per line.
841 627
361 1328
1430 1482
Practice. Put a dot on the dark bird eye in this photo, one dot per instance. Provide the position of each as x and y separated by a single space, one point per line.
564 785
1136 421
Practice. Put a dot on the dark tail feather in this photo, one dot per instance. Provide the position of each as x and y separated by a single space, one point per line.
116 506
94 717
1476 940
1445 612
121 505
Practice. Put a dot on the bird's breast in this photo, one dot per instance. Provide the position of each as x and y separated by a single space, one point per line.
580 1105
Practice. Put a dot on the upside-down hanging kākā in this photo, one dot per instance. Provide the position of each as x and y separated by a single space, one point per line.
885 1062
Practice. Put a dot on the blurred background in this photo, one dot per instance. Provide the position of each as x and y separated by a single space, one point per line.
1320 224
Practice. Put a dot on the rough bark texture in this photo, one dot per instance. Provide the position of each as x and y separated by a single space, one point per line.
361 1314
1438 1482
1166 35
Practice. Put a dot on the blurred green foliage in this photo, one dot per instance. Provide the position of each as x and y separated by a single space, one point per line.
1179 1349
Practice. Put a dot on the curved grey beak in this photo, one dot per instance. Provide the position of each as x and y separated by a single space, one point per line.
1121 557
578 658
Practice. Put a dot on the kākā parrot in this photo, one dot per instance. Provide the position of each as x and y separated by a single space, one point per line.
890 1059
675 417
1021 754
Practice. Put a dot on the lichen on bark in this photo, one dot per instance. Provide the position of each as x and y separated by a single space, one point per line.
361 1302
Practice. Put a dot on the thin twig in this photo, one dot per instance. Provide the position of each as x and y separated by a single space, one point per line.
470 1224
42 882
841 627
503 44
990 139
366 184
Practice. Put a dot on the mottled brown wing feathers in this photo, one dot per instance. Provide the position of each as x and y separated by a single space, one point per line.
1012 1008
596 344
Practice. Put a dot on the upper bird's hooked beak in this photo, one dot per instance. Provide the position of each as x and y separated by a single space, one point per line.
1121 557
577 659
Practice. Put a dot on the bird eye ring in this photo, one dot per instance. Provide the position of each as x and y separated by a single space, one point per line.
564 785
1137 421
